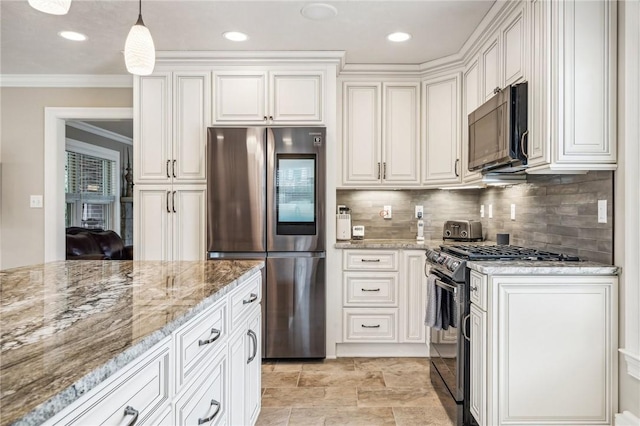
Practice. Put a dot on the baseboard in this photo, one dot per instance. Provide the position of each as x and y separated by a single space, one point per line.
626 418
381 350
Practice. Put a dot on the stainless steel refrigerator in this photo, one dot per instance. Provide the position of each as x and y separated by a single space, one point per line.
265 197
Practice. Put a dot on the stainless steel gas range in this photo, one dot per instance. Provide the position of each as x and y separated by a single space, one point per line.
448 306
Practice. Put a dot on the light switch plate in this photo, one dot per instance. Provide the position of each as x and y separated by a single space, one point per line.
419 212
35 202
490 211
482 210
513 212
602 211
386 212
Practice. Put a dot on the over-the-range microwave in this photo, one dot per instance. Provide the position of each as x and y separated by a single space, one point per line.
498 131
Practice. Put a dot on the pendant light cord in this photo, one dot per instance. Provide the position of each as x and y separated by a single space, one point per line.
140 22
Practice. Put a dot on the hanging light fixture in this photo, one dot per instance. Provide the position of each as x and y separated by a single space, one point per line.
139 51
53 7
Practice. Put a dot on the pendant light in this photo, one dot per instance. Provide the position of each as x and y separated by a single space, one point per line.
139 51
52 7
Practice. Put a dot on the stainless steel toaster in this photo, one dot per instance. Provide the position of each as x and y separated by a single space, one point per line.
462 230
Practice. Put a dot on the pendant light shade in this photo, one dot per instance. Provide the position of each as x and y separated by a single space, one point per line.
53 7
139 50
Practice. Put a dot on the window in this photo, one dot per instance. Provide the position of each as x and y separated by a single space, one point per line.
91 186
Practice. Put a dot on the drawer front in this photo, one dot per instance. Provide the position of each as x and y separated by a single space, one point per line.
367 289
371 325
478 290
244 298
198 338
145 388
370 260
206 401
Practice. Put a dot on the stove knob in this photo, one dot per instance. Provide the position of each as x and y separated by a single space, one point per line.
441 260
447 233
433 256
463 234
454 265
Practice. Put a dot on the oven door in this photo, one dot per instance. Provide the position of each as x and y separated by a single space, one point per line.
447 348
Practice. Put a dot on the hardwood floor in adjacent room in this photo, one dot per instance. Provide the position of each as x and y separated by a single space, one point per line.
352 391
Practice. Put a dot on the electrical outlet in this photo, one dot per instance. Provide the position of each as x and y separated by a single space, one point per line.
513 212
386 212
482 210
35 202
602 211
490 211
419 212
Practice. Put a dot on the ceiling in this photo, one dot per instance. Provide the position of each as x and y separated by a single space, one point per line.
30 45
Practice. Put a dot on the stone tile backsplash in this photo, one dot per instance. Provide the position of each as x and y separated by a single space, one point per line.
554 212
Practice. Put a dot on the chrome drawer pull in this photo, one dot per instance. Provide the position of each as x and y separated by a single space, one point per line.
254 338
251 299
215 413
370 326
370 260
472 288
130 411
374 289
211 340
464 327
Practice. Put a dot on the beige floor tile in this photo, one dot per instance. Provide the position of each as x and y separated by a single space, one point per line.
431 415
343 416
396 397
402 379
274 417
338 364
369 379
276 379
392 364
309 397
287 366
267 366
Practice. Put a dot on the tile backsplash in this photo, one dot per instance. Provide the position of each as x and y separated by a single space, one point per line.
554 212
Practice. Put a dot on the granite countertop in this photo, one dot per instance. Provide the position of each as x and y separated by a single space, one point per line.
524 267
398 244
67 326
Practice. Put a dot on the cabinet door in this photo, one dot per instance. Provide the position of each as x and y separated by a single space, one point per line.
152 129
513 46
253 384
361 138
192 100
470 101
490 68
151 227
188 211
401 142
539 84
238 376
414 287
296 97
240 97
442 130
478 370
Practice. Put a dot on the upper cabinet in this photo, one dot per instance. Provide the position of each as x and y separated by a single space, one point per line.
471 99
172 115
573 85
268 97
381 143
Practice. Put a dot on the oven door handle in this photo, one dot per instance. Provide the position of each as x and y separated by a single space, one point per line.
464 327
445 286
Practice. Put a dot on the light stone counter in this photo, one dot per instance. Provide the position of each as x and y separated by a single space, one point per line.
67 326
400 244
524 267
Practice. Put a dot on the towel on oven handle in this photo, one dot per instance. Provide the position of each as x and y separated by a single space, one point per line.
433 314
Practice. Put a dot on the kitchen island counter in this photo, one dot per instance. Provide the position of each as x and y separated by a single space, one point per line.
69 325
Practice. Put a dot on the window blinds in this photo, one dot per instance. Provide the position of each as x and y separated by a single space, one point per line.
89 179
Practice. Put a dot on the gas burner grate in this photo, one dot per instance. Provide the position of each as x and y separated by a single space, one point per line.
472 252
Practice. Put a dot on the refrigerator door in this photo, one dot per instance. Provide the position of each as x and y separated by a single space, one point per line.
236 188
295 306
295 189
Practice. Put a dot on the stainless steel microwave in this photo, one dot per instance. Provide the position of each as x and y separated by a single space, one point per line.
498 131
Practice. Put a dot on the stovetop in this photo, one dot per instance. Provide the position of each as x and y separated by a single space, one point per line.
472 252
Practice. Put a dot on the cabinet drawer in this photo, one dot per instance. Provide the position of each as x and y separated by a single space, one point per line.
206 401
201 336
144 387
478 290
370 325
370 260
365 288
244 298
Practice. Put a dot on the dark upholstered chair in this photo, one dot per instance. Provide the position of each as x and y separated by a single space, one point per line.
96 244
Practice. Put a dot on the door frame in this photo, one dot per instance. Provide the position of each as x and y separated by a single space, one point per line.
54 146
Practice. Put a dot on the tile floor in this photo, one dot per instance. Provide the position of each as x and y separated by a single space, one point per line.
351 391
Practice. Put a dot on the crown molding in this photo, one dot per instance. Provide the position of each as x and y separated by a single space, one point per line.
89 128
66 80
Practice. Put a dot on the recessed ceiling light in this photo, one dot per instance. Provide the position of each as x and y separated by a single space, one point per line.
319 11
235 36
398 37
72 35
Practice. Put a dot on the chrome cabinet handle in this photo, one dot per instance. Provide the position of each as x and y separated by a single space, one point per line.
173 168
384 170
366 289
216 404
254 338
370 260
455 167
525 134
497 90
168 194
370 326
215 331
472 288
464 327
173 202
168 175
251 299
378 170
130 411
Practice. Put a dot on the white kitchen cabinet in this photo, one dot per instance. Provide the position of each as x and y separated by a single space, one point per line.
268 97
513 41
381 142
573 86
172 115
414 293
491 76
471 99
441 131
169 222
545 350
